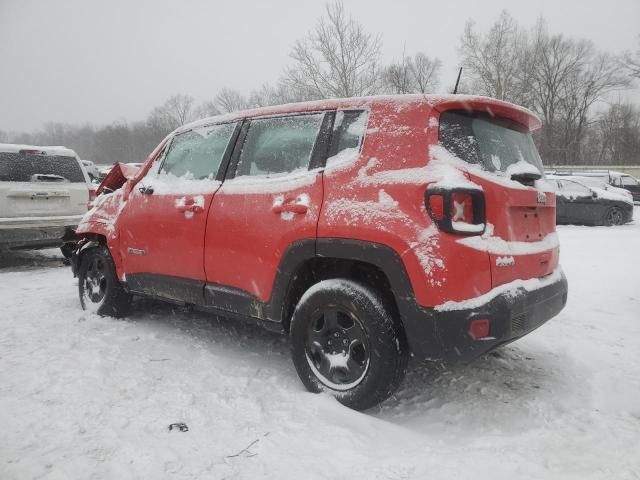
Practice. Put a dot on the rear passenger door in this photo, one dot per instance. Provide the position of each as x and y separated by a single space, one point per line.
271 198
162 228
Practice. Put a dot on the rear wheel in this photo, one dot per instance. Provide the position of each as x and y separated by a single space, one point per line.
347 341
613 216
98 286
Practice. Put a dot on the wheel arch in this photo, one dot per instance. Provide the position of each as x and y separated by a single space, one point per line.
304 264
85 241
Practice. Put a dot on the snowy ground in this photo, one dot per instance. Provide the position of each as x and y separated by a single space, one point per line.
85 397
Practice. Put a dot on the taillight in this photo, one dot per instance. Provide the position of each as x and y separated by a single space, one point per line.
92 197
457 210
436 206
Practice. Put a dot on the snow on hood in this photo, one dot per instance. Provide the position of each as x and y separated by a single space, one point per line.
611 195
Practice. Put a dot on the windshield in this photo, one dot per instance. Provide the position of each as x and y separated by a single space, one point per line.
21 167
492 143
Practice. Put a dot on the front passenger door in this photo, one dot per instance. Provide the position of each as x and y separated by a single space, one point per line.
162 228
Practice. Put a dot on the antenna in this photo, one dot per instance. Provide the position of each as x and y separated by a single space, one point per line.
455 89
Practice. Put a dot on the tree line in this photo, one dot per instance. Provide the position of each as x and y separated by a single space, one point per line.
568 82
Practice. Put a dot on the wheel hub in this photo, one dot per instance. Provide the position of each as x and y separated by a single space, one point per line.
337 348
338 341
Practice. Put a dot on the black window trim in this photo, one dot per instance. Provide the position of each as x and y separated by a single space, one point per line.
331 151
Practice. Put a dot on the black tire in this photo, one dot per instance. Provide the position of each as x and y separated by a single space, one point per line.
98 286
613 216
358 320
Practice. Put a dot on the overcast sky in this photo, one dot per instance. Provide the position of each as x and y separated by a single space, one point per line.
83 61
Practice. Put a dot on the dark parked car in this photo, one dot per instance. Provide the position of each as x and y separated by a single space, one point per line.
577 203
610 177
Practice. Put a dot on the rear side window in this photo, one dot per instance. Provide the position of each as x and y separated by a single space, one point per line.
628 181
198 153
279 145
348 131
491 143
27 167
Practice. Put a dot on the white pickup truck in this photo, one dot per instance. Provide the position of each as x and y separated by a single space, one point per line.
44 192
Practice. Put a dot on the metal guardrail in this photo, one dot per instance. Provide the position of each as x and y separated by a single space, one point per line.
633 170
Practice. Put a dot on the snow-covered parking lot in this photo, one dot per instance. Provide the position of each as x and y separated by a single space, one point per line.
86 397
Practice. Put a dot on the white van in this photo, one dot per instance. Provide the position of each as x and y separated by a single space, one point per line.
44 192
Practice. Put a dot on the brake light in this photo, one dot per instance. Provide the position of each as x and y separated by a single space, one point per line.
436 206
457 210
479 328
92 197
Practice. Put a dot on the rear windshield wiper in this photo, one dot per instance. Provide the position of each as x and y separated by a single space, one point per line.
523 177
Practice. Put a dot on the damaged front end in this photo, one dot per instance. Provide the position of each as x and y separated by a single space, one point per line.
97 225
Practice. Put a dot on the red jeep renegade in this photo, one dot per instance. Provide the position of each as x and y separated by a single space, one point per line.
367 229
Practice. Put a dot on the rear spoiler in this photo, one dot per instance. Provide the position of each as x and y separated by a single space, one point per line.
495 108
119 174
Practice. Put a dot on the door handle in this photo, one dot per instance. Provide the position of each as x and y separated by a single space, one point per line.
290 207
191 207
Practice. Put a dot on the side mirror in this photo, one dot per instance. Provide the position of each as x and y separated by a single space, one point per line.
594 194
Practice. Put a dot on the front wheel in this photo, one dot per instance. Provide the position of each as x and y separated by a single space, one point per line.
613 217
346 341
98 286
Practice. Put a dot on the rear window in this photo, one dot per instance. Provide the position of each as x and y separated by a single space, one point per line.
491 143
20 167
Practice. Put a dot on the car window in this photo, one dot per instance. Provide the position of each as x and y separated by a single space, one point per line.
29 167
629 181
197 154
348 130
574 188
279 145
492 143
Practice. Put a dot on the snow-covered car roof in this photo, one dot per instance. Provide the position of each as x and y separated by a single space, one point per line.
439 102
48 150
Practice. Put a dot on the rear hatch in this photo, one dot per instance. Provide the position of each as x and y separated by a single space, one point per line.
520 211
36 184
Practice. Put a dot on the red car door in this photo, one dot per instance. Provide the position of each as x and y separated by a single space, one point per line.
162 227
272 200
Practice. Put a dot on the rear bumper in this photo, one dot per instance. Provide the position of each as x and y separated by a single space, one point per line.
514 310
38 237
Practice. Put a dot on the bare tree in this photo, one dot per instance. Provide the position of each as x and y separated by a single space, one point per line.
631 61
559 78
397 77
493 60
426 71
570 76
618 132
412 75
230 100
206 109
176 111
337 59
